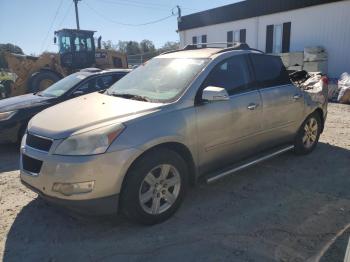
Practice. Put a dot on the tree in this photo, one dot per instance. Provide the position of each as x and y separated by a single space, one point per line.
107 44
121 46
8 48
133 48
147 46
168 46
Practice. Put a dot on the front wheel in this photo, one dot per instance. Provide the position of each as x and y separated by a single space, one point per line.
308 135
154 187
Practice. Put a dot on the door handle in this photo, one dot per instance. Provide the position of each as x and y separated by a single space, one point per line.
252 106
296 97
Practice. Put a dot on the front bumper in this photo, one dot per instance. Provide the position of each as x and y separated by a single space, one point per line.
106 170
100 206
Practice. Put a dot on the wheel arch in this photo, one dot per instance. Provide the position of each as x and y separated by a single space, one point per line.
319 111
177 147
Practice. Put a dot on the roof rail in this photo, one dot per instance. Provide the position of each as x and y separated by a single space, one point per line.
91 70
229 46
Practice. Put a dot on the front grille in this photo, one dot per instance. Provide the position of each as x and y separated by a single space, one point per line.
31 165
37 142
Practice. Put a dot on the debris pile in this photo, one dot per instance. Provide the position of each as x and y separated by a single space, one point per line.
312 59
344 88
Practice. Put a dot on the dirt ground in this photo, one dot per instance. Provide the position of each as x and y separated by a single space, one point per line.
286 209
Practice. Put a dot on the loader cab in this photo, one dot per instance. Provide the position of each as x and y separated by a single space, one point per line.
76 48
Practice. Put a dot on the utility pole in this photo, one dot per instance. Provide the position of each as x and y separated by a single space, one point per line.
76 13
178 13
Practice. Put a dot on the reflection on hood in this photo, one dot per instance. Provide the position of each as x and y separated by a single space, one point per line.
19 102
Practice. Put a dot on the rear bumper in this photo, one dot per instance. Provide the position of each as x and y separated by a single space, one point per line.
98 206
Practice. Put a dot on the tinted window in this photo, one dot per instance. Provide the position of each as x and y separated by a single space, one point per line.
269 70
103 82
64 85
88 87
232 74
65 44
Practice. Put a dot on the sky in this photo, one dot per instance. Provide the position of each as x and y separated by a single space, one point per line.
30 24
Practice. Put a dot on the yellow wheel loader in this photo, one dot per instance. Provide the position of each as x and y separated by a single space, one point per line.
76 51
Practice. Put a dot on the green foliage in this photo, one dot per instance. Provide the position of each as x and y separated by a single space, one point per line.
140 52
145 47
5 76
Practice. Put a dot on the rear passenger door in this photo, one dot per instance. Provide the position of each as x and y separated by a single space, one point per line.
227 130
282 102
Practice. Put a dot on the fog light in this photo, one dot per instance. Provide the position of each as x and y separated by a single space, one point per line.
69 189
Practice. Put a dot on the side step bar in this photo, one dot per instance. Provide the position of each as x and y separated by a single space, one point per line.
230 171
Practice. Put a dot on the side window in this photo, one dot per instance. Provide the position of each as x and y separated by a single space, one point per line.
65 44
104 82
88 87
269 70
231 74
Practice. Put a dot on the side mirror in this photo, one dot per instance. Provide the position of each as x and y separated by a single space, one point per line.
214 93
78 93
55 40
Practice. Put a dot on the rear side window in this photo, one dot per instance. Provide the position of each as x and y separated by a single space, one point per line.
269 71
232 74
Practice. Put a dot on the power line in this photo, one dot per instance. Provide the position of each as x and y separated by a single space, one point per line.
53 21
127 24
136 4
66 14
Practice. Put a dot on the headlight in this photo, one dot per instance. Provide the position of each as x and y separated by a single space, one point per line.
92 142
6 115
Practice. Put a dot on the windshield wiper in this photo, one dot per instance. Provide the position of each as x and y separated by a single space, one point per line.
130 96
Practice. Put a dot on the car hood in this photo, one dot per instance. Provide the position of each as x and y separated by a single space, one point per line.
19 102
87 111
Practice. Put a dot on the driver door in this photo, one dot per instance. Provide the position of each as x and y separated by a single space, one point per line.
228 130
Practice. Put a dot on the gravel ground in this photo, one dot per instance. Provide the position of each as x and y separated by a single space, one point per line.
287 209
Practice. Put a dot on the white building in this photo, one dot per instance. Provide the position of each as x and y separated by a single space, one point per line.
276 26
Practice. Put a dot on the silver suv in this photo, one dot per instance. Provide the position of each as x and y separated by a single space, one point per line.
196 112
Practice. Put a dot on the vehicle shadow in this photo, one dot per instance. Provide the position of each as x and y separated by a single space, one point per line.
9 157
283 209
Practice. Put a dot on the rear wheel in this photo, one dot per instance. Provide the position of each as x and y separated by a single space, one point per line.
154 187
42 80
308 135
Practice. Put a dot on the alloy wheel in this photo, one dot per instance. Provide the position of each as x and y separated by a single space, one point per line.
310 133
159 189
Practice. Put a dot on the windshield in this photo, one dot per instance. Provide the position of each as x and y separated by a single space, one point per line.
62 86
159 80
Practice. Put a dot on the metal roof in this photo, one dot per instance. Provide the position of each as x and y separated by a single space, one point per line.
243 10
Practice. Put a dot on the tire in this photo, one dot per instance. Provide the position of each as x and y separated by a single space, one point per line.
144 181
42 80
308 135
